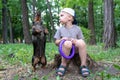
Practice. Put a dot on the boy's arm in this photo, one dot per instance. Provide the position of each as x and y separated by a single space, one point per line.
57 41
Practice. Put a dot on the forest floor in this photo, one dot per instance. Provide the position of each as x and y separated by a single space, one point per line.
18 72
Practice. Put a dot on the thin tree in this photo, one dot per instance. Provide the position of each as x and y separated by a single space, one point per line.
10 27
34 6
25 22
91 22
4 22
51 18
109 37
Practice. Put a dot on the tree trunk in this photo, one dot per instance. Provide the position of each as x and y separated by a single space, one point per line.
4 22
51 19
92 65
25 22
34 5
91 22
58 8
10 25
109 29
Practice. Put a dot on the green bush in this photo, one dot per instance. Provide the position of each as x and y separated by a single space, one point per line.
86 33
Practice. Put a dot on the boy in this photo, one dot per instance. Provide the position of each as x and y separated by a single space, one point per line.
73 35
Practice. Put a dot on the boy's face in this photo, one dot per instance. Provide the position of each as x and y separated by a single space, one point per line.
64 17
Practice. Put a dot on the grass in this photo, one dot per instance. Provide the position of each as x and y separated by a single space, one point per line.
21 54
98 53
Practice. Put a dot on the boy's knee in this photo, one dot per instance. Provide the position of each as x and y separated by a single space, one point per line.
68 44
81 43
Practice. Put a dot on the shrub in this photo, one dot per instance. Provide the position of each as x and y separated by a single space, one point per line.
86 33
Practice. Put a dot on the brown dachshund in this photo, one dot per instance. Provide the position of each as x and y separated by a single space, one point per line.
39 41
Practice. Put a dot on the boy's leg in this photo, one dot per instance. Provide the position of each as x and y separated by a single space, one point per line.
66 49
80 44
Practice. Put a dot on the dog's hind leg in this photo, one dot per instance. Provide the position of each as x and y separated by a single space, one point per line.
35 61
43 62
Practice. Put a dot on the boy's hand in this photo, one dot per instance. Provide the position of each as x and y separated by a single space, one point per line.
73 40
64 38
57 42
69 39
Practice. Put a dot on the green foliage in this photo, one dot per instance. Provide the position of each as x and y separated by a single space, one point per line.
86 33
117 66
98 53
106 76
58 78
22 53
51 50
35 78
117 18
80 6
98 19
118 42
45 77
70 3
15 15
17 53
16 77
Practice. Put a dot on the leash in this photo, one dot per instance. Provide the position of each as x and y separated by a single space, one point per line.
72 52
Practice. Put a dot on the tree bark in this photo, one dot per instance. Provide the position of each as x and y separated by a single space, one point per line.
25 22
4 22
10 26
92 65
34 5
91 22
51 19
109 37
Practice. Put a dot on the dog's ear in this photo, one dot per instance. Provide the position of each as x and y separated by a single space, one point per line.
37 16
37 19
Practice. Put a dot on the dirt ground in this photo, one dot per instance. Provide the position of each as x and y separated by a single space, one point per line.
18 72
